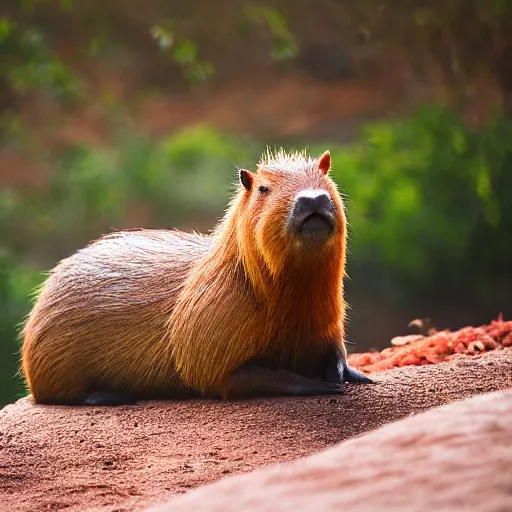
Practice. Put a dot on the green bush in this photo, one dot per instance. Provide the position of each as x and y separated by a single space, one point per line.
16 286
29 64
426 196
190 172
428 200
186 171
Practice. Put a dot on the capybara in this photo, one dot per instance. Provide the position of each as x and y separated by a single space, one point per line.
254 309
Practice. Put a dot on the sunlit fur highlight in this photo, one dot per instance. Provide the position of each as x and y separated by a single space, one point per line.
280 161
158 313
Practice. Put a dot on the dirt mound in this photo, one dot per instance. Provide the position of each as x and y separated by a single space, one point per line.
418 350
434 461
127 458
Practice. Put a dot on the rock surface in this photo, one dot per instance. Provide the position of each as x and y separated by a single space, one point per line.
129 458
456 457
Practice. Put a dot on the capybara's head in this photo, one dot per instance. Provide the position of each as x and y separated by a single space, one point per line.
292 210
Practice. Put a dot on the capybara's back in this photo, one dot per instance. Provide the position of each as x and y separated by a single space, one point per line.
256 308
102 315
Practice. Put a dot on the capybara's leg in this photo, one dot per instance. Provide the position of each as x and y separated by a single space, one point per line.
336 369
252 380
349 374
54 388
331 367
65 395
109 398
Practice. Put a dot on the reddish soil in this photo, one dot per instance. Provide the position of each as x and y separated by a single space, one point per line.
127 458
433 461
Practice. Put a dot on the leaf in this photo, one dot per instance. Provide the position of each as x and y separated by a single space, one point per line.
66 4
163 35
199 72
284 48
276 21
423 17
486 194
6 28
285 44
185 52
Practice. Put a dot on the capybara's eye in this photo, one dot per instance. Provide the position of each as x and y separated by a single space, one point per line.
263 189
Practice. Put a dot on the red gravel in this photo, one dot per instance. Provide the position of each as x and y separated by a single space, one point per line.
126 458
441 346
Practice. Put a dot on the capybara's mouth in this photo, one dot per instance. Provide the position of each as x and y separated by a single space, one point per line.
316 225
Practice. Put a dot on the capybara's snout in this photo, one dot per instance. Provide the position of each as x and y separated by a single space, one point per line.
313 215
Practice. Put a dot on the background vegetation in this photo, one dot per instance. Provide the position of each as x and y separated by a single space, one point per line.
428 176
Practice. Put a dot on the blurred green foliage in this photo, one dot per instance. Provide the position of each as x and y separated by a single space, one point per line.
284 42
250 15
93 190
16 286
28 63
427 202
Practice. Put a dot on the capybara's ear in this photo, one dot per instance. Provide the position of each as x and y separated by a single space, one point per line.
246 178
324 162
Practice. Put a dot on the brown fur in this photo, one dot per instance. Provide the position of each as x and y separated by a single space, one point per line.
159 313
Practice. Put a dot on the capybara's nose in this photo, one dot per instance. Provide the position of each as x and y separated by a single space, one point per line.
313 214
312 201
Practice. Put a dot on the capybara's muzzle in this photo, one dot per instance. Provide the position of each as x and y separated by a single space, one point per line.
313 215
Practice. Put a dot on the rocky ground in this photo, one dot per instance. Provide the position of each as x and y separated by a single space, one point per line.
453 458
130 458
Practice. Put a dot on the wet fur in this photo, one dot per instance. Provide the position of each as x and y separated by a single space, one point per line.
169 314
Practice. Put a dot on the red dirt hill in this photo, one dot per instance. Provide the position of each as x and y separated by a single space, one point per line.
128 458
434 461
